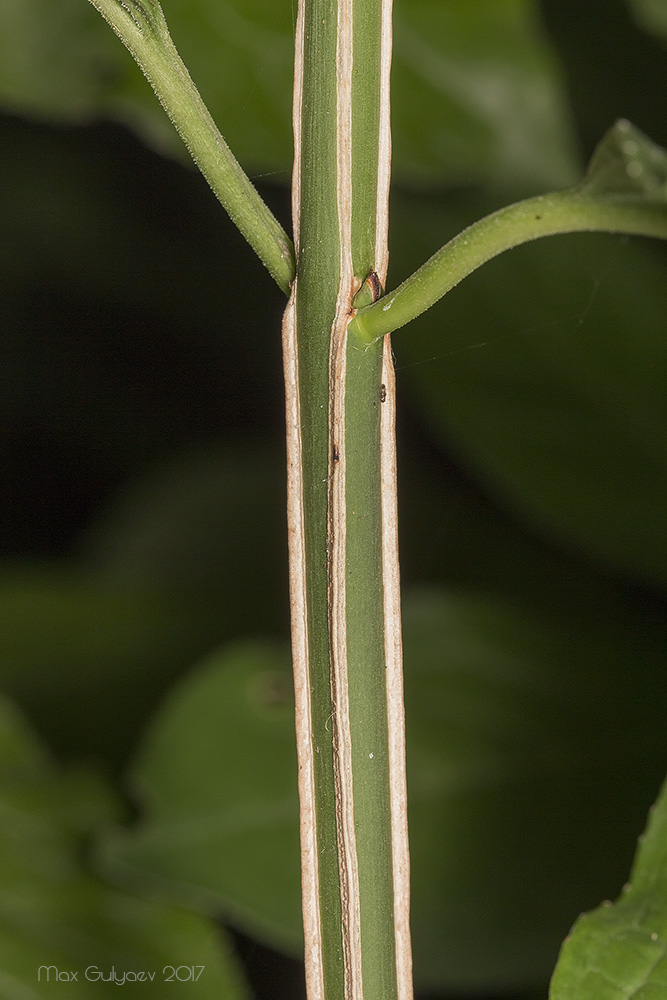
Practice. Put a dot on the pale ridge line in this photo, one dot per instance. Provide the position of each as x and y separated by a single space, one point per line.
347 853
384 150
301 665
310 888
390 562
394 681
297 110
347 858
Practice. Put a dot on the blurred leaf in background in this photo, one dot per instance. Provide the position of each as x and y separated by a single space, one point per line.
619 949
652 15
545 372
477 89
528 779
63 930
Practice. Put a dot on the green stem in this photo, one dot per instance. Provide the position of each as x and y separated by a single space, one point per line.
141 26
342 517
546 215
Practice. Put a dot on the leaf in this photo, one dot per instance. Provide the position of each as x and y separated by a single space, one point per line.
652 15
618 951
73 645
217 780
61 925
476 95
542 375
627 165
187 520
151 592
530 749
54 58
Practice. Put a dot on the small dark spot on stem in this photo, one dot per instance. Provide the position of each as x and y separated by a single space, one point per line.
335 453
375 286
383 392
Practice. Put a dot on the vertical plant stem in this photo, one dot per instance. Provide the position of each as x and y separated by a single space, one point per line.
342 515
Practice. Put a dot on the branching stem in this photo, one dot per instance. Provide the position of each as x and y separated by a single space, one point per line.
546 215
141 26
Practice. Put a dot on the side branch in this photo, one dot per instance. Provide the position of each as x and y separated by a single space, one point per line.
141 27
624 191
546 215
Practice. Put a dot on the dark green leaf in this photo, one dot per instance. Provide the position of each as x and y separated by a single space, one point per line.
57 920
476 95
652 15
618 951
217 778
532 744
87 658
152 591
188 520
627 165
54 60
